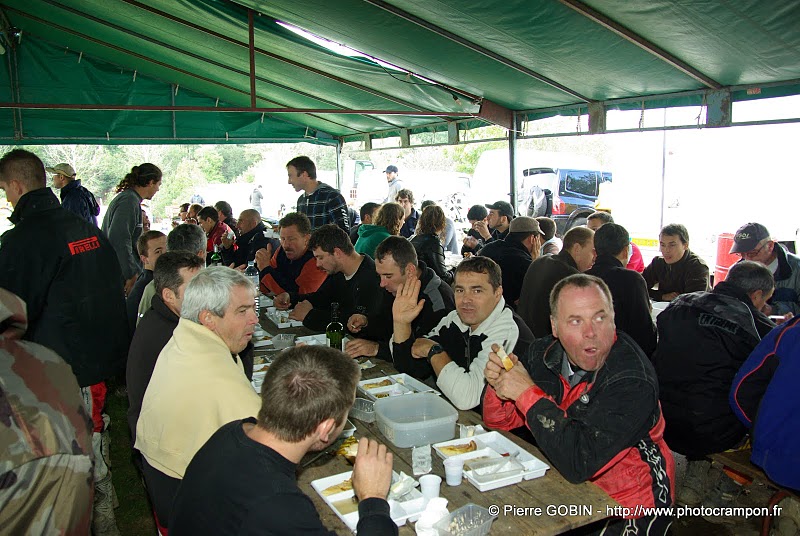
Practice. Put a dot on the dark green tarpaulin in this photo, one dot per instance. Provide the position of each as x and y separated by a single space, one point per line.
538 57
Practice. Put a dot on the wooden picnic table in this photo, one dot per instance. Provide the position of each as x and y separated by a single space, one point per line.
553 505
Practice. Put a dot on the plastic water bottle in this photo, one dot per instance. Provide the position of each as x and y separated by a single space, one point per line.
252 274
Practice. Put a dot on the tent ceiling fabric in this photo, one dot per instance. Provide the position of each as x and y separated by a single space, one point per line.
523 55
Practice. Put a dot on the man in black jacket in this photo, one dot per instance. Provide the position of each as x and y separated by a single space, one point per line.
172 273
631 302
67 273
248 242
576 256
244 479
352 281
514 255
398 267
589 396
703 339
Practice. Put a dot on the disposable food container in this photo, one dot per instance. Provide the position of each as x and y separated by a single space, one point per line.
414 420
469 520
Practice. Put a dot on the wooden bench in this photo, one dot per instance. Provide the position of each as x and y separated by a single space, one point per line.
739 461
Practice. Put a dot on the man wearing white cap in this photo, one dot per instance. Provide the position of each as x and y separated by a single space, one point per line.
74 197
753 242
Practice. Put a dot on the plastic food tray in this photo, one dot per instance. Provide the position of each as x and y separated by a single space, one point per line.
409 509
363 410
469 520
492 444
403 384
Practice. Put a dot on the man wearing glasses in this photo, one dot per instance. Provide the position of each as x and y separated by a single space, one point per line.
753 243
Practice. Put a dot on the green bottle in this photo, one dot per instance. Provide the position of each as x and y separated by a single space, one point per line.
216 259
335 330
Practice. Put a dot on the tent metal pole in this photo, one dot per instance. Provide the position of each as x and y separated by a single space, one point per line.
251 47
512 159
339 166
132 107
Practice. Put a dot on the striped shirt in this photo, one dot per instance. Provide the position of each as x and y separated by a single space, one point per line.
323 206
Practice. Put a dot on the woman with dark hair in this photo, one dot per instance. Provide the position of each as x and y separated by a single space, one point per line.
122 223
387 223
428 243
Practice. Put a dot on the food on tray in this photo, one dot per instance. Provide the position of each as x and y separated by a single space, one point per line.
347 485
385 383
349 449
382 395
261 368
507 363
346 506
454 450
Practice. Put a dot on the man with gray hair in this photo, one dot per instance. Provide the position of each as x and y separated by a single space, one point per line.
198 383
703 339
184 237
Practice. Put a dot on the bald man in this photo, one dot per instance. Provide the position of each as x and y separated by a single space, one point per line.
250 240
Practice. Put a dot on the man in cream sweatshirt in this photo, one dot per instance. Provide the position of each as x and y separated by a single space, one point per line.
198 383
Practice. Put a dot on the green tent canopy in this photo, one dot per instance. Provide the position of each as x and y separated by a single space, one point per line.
166 71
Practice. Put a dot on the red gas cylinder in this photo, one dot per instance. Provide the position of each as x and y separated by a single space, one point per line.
724 259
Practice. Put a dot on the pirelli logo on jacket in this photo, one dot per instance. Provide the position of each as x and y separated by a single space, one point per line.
82 246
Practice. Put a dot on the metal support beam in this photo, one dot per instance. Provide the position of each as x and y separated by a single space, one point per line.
474 47
339 166
453 134
174 119
251 49
597 118
641 42
139 108
512 160
719 109
405 138
497 114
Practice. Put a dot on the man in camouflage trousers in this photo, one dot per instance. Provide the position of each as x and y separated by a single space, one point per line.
45 436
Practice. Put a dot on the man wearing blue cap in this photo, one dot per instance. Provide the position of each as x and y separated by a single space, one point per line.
753 242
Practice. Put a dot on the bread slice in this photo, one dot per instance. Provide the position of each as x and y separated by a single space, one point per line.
507 363
454 450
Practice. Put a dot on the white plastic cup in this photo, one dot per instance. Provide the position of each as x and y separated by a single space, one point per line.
453 471
429 485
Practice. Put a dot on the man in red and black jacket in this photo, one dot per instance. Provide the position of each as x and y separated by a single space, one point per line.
589 396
